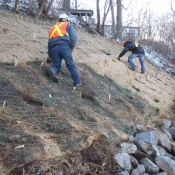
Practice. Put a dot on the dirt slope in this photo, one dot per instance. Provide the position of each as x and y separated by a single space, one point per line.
62 129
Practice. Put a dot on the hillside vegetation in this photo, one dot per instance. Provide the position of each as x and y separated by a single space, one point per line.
47 127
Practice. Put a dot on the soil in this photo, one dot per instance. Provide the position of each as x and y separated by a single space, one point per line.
48 128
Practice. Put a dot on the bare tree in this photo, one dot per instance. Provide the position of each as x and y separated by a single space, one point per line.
15 9
76 5
40 10
113 28
66 4
108 4
119 19
171 4
98 16
47 7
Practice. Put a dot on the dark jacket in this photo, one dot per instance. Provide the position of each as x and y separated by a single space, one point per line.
71 40
131 46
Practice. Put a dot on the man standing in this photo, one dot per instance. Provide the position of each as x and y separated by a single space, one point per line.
62 40
137 51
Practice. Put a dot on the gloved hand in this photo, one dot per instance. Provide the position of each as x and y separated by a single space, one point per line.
118 58
49 61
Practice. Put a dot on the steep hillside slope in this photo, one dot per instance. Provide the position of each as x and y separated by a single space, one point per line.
50 126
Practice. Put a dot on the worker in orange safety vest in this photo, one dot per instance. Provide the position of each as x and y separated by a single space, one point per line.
61 42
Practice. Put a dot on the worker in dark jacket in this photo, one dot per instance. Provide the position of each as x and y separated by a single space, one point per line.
137 51
62 40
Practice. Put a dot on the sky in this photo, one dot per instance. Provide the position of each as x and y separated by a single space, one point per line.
159 7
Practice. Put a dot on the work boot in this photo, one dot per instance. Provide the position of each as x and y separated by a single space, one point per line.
52 76
77 85
49 60
131 68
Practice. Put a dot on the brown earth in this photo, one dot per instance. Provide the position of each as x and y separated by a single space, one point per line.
53 128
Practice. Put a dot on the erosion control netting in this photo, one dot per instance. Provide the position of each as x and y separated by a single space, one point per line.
97 159
41 120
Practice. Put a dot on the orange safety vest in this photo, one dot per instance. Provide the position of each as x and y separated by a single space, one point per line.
58 30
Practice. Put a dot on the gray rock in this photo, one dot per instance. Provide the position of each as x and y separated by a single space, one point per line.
166 124
123 159
164 141
166 164
124 173
139 170
161 173
172 131
134 161
131 138
151 137
140 127
144 146
162 151
129 148
156 152
150 167
168 134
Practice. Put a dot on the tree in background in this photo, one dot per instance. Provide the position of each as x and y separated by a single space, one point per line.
171 4
113 24
15 9
47 7
76 4
66 5
40 10
119 20
107 7
98 16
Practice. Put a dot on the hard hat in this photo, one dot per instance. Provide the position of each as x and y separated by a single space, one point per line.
123 43
64 16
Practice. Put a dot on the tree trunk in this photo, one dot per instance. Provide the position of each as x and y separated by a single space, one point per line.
98 16
106 10
119 20
40 10
45 7
16 6
66 5
172 8
106 7
76 5
113 29
48 8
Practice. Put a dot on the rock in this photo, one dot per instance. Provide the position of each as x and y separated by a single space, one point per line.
129 148
143 146
139 170
134 161
151 137
150 167
164 141
123 159
166 164
166 124
124 173
172 131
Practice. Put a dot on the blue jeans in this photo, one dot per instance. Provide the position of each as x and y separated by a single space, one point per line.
60 52
141 59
